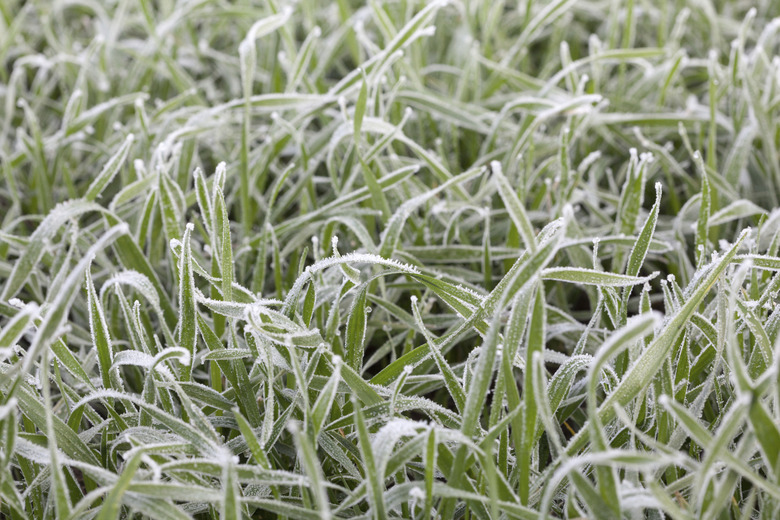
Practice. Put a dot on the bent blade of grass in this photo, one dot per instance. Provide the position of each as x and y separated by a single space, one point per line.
61 303
520 275
134 259
200 441
644 369
737 210
17 326
522 271
392 232
637 328
593 277
26 264
32 407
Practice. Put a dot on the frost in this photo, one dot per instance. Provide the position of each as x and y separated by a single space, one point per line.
225 457
138 282
417 493
388 435
347 259
7 408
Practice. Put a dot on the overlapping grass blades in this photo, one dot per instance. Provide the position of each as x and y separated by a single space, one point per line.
389 259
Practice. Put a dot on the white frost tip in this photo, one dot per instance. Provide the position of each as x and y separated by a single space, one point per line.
496 167
408 369
245 46
175 243
336 360
16 302
317 31
413 298
190 226
417 493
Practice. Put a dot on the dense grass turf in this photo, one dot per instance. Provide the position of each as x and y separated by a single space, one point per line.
392 259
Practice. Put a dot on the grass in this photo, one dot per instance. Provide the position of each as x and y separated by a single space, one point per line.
392 259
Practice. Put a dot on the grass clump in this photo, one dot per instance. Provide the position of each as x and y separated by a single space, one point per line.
393 259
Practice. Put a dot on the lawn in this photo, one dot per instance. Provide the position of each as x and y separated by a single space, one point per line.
477 259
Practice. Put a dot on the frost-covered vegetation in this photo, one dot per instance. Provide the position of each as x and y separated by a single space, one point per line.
389 259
